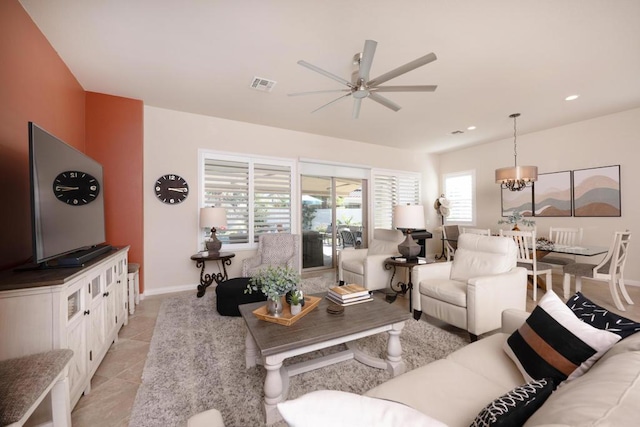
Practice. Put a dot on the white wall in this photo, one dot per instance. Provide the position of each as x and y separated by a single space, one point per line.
171 143
603 141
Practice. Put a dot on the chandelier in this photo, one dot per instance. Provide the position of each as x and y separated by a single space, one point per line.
516 178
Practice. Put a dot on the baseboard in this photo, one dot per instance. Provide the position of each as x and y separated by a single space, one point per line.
170 290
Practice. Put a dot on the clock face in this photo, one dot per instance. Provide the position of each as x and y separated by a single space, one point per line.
171 189
76 188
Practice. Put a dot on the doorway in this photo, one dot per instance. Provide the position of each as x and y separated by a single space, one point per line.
334 217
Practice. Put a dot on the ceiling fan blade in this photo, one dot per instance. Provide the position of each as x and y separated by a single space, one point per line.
384 101
402 69
319 91
417 88
367 58
356 107
331 102
324 73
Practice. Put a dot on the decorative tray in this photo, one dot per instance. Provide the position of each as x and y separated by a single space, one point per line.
286 318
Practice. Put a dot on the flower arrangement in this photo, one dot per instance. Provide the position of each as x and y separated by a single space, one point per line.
274 281
517 218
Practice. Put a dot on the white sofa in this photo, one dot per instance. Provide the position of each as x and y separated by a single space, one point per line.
455 389
471 291
365 267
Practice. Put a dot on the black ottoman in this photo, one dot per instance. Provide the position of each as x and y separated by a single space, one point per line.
230 294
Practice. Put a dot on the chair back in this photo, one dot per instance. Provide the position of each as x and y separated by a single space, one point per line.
565 236
385 242
481 231
479 255
613 263
525 243
348 240
278 248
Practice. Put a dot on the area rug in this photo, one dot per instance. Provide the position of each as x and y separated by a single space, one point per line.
196 362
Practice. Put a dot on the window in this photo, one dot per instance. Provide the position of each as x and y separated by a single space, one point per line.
459 188
393 188
256 193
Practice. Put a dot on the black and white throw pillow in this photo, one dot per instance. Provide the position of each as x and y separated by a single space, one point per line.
601 318
515 407
554 343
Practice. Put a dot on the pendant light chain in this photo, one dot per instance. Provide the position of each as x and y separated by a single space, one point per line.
515 139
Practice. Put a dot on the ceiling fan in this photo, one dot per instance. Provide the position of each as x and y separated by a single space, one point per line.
361 86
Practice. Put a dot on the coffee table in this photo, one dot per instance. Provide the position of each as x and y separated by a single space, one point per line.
269 344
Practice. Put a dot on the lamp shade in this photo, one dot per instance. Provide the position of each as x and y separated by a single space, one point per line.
409 216
213 217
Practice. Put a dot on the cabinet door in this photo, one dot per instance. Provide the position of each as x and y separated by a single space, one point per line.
121 297
98 335
76 334
110 299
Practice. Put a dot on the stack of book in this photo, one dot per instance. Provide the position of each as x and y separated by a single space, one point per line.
348 295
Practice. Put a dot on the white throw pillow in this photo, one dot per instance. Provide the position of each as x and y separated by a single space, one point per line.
341 409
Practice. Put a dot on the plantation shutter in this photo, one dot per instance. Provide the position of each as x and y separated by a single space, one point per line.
272 199
459 189
390 190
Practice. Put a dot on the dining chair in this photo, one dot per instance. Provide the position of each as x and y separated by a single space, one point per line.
527 258
450 235
610 269
348 239
481 231
563 236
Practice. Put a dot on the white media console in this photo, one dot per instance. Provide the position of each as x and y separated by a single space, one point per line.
80 308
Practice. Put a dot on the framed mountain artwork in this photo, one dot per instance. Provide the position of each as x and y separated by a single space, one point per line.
596 191
552 194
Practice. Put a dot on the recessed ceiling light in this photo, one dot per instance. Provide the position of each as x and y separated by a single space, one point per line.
572 97
471 128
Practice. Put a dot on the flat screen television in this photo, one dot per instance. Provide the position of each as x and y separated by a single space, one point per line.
67 203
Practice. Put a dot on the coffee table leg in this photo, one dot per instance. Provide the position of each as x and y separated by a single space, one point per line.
251 353
273 388
395 364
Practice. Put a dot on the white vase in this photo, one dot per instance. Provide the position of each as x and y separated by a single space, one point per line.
295 309
274 308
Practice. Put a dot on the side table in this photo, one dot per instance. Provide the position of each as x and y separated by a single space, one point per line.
222 259
398 262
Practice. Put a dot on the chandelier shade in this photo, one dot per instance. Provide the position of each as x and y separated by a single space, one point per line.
516 178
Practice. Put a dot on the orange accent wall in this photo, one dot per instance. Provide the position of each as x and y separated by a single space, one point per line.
114 137
35 85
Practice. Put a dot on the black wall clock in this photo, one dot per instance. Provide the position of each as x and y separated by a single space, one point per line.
76 188
171 189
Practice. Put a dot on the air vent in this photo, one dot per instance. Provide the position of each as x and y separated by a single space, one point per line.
456 132
261 84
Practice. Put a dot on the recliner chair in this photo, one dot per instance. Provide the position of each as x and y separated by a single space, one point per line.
366 266
471 291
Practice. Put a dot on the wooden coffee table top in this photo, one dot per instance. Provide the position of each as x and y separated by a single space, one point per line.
318 325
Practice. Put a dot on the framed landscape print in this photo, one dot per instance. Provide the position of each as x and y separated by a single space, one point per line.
552 194
596 191
521 201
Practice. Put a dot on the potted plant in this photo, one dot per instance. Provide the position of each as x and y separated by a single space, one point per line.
295 301
517 218
274 282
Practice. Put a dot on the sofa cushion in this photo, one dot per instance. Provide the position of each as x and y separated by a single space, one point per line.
554 343
341 409
601 318
607 395
450 291
383 247
444 389
516 406
353 265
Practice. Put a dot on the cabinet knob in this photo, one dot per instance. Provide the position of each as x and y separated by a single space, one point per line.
86 312
106 294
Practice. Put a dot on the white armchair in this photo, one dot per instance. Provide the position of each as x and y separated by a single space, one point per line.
366 266
471 291
274 249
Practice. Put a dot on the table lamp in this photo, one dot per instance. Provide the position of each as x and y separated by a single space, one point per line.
214 217
409 217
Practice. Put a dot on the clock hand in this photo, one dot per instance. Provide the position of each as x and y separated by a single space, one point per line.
179 190
65 188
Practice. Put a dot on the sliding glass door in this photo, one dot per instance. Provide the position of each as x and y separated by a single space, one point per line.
333 218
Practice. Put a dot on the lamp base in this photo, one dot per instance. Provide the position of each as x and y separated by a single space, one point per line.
409 248
213 245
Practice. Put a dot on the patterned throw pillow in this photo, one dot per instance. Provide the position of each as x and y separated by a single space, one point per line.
515 407
554 343
600 317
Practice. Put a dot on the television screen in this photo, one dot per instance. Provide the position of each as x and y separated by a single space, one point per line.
66 197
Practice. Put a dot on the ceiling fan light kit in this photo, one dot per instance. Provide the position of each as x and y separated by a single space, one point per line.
361 87
516 178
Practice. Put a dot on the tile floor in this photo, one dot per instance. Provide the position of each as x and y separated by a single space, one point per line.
116 381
